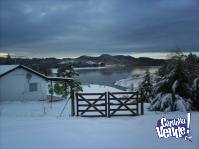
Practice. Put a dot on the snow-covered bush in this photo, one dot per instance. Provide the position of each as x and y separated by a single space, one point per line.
164 102
179 87
195 93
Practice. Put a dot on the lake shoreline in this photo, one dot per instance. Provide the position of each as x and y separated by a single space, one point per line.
111 75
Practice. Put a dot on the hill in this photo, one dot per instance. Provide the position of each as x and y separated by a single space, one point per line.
44 65
121 60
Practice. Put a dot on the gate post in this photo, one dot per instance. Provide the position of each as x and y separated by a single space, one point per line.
72 102
137 102
108 105
142 105
77 104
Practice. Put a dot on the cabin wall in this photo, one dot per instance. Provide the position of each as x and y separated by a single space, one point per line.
15 86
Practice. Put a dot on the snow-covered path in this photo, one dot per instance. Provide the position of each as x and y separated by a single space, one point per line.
23 125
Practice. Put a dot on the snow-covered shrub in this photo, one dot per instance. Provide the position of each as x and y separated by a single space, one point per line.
182 104
195 93
179 87
165 102
161 102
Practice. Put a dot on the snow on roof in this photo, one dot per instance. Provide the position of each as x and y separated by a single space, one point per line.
6 68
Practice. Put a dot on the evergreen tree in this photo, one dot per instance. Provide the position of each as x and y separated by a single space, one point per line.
174 91
192 64
195 93
68 72
146 87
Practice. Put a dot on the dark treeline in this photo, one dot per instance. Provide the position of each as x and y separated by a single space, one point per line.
43 65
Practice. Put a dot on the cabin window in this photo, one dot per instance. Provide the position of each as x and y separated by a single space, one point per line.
33 87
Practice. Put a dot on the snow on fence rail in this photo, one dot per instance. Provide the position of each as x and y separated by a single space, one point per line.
108 104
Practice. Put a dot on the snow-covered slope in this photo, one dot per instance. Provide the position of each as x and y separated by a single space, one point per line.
129 82
94 88
134 81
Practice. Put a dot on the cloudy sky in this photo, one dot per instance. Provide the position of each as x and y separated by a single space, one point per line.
76 27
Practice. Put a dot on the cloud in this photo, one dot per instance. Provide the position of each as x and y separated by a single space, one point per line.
79 26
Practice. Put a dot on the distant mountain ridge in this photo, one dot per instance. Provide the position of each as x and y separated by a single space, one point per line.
121 60
43 65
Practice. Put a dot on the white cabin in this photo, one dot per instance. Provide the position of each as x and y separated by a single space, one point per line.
18 82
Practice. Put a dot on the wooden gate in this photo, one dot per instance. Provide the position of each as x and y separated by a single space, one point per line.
123 104
91 104
108 104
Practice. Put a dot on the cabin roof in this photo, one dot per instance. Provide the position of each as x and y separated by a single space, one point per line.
5 69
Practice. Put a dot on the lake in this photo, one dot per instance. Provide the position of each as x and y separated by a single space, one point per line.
108 76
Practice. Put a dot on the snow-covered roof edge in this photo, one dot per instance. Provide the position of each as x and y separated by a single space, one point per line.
6 68
30 70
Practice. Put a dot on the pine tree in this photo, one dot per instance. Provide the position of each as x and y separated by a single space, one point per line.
195 93
69 72
192 62
174 91
146 87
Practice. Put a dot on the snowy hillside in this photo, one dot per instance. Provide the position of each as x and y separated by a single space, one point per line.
133 81
129 82
93 88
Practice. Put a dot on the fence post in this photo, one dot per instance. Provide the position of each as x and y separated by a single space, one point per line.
137 102
142 105
142 108
72 102
77 104
108 105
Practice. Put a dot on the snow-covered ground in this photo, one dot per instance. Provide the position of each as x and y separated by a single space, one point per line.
94 88
25 125
129 82
134 81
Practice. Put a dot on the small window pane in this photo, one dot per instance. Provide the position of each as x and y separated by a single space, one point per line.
33 87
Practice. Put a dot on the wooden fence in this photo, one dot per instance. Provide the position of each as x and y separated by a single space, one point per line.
107 104
97 104
123 104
